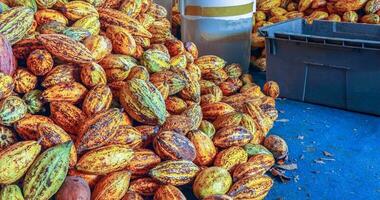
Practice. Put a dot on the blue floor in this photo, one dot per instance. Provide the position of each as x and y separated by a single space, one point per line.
353 139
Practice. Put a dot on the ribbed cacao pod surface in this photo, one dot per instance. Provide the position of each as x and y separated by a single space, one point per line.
66 48
128 136
142 161
24 81
143 102
277 146
174 146
97 131
112 186
105 159
218 197
251 188
230 158
48 172
232 136
212 181
16 159
12 192
132 196
177 173
205 149
168 192
144 186
16 23
12 109
6 85
7 61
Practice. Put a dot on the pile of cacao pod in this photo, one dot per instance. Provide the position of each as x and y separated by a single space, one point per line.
99 100
273 11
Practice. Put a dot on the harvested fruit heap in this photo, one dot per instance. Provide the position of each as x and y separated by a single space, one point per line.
274 11
102 96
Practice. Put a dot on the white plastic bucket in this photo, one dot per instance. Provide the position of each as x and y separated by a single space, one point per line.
168 4
219 27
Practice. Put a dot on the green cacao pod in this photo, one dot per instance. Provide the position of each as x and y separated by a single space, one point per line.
155 60
15 23
212 181
12 109
48 172
143 102
11 192
33 101
16 159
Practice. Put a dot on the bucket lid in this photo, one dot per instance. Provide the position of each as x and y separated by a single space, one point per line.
217 8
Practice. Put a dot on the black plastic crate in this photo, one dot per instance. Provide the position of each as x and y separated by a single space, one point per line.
328 63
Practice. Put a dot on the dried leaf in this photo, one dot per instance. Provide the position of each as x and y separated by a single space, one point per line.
281 175
288 167
296 178
328 154
283 120
319 161
327 159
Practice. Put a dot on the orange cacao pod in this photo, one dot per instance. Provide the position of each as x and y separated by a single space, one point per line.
143 161
205 149
172 145
168 192
144 186
98 99
67 116
24 81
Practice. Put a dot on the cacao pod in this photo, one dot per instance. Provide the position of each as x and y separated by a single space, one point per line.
168 192
277 146
212 181
74 188
12 109
7 61
144 186
70 92
48 172
143 161
205 149
143 102
105 159
6 85
99 46
24 81
16 159
251 188
15 23
230 158
11 192
174 146
112 186
98 130
66 48
179 172
52 135
33 101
